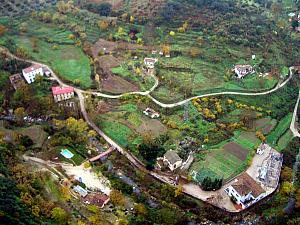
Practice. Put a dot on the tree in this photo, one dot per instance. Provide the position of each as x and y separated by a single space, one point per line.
23 27
297 196
92 133
140 209
104 9
62 7
71 36
287 188
194 52
117 198
164 216
26 141
295 24
103 25
178 190
20 113
287 174
166 49
2 30
59 215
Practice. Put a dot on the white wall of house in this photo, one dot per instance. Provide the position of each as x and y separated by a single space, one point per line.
173 166
241 199
62 97
30 77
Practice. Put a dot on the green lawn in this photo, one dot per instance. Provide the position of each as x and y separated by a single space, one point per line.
67 61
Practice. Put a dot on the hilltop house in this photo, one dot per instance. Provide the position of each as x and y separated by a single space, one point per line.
151 112
97 199
62 93
16 81
149 62
245 191
242 70
172 159
31 72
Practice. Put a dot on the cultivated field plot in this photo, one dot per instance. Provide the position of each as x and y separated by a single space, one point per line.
126 124
279 130
236 150
224 163
266 125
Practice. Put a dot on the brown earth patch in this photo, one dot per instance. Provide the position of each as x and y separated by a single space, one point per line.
251 136
267 129
153 126
108 62
117 85
236 150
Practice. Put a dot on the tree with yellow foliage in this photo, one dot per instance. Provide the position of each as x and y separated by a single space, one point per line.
131 19
166 49
117 198
103 25
194 52
178 191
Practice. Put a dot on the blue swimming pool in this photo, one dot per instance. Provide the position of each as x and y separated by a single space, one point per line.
66 153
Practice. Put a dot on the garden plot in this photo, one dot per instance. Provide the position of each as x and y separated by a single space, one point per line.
265 125
220 162
236 150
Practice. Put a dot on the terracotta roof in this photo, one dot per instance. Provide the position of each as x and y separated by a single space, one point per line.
172 157
150 60
246 184
62 90
243 67
31 68
96 199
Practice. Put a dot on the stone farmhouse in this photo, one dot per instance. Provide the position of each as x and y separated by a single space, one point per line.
62 93
172 160
243 70
31 72
245 191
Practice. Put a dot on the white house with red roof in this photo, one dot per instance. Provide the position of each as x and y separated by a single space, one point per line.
242 70
31 72
62 93
149 62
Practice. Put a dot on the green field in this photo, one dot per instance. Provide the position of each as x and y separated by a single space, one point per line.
117 131
284 140
280 129
144 83
50 45
219 162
